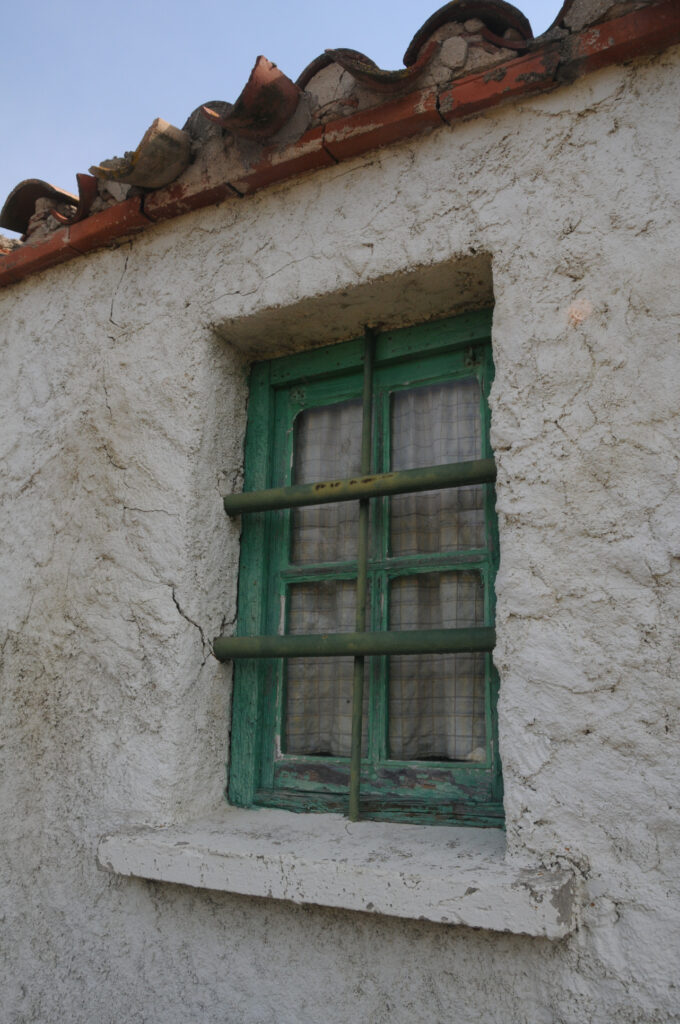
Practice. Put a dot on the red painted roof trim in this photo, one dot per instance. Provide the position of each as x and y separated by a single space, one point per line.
646 31
531 73
649 30
66 243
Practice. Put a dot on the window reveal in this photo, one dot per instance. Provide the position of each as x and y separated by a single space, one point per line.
417 664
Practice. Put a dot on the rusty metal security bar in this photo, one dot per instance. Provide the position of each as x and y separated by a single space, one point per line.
378 485
341 645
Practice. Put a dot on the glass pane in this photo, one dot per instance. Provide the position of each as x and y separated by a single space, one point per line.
430 427
327 447
436 701
319 690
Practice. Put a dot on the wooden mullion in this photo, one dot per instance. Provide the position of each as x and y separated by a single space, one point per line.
311 573
246 717
362 576
287 406
380 610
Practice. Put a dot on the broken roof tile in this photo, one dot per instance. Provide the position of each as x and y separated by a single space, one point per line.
496 15
20 203
87 193
364 70
468 56
267 102
160 157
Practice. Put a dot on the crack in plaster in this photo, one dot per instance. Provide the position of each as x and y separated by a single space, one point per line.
109 456
106 390
193 622
164 511
115 293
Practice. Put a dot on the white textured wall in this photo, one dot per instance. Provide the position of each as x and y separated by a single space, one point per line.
123 400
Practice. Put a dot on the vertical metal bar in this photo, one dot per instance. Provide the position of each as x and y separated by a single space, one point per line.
362 579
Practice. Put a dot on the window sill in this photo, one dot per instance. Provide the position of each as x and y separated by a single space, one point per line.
434 873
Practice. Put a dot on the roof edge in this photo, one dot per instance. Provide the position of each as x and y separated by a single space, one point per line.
649 30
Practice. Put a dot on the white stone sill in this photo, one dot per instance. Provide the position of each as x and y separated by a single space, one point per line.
434 873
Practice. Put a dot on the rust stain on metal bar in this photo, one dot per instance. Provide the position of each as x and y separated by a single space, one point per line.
406 481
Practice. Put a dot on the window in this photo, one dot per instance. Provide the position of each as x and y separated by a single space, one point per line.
388 710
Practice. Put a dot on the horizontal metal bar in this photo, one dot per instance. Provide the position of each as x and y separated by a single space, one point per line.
414 641
405 481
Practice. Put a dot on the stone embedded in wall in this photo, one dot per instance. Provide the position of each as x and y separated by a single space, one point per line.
453 53
9 244
111 192
587 12
449 61
484 55
446 31
330 93
351 84
43 223
20 204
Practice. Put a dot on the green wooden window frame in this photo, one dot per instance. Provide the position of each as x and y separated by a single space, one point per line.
260 774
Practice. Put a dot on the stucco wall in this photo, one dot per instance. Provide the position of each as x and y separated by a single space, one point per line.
123 408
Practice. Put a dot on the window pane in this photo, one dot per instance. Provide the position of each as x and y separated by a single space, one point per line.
327 447
437 701
430 427
319 690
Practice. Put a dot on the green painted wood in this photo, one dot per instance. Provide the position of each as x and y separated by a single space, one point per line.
478 814
261 771
444 337
362 579
242 770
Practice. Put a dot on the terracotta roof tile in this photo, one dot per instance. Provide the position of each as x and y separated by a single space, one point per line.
496 15
468 56
364 70
20 203
160 157
87 193
267 102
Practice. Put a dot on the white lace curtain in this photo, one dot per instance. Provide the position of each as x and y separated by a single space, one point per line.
436 704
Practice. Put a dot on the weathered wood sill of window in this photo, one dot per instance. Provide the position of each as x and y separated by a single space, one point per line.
453 876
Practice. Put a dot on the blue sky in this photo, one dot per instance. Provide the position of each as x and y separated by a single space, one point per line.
81 82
